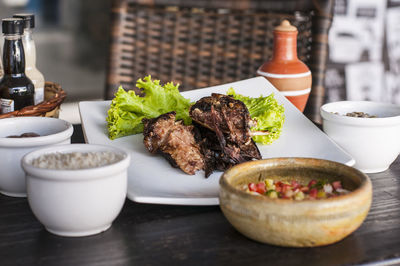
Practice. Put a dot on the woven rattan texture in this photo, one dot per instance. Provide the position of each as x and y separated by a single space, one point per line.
54 96
195 47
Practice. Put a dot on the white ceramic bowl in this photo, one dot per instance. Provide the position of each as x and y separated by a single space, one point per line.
374 143
51 130
76 202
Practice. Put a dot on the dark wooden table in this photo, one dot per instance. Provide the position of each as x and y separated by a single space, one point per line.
145 234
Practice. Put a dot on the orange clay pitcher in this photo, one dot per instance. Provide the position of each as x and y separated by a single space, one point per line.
285 71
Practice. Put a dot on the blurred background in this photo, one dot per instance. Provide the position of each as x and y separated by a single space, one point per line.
72 41
71 38
364 51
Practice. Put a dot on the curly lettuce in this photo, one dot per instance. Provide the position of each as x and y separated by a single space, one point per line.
128 109
268 114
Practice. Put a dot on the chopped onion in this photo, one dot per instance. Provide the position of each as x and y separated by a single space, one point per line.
328 188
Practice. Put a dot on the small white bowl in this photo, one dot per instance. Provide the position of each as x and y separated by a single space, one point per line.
76 202
51 130
374 143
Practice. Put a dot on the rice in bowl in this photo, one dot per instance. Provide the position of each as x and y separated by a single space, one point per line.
76 160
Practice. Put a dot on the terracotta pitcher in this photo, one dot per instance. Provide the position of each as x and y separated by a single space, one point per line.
285 71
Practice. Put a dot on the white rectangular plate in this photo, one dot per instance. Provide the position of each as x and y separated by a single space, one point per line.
152 180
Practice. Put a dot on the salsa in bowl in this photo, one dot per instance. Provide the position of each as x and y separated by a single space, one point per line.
287 221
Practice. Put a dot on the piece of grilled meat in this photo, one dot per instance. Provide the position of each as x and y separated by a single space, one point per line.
222 113
226 136
214 157
175 141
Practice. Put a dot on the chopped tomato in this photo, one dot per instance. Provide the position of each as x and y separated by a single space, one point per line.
278 186
313 193
285 188
261 188
296 191
252 187
336 185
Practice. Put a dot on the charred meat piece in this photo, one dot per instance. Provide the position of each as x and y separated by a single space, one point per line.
222 113
157 130
175 141
217 157
214 158
213 161
223 123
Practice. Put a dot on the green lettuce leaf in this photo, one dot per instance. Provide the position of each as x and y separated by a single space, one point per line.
128 109
268 114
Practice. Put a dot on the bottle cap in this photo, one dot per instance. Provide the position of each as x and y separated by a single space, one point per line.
29 19
285 26
12 26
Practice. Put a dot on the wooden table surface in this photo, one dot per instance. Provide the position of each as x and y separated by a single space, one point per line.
147 234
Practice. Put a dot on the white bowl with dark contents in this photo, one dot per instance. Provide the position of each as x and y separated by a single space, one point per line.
78 189
20 135
368 131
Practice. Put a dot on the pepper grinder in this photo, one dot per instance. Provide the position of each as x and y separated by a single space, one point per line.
285 71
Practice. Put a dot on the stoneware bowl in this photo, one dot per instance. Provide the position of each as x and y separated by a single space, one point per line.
76 202
52 131
374 143
291 223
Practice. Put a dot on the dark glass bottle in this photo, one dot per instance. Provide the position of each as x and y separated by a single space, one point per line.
30 56
16 89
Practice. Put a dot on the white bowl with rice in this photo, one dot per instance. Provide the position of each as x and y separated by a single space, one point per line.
51 131
76 190
368 131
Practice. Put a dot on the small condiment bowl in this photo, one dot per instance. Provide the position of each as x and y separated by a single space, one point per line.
292 223
374 143
52 131
78 202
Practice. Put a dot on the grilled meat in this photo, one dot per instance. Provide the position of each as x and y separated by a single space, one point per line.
214 158
175 141
224 126
223 114
218 139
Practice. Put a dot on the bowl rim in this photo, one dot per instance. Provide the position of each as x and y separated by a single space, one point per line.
40 140
365 183
361 121
75 174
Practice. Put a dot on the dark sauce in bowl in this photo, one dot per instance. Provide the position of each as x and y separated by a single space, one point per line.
25 135
360 114
357 114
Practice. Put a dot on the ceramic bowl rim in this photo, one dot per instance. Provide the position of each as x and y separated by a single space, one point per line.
360 121
77 174
365 183
40 140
